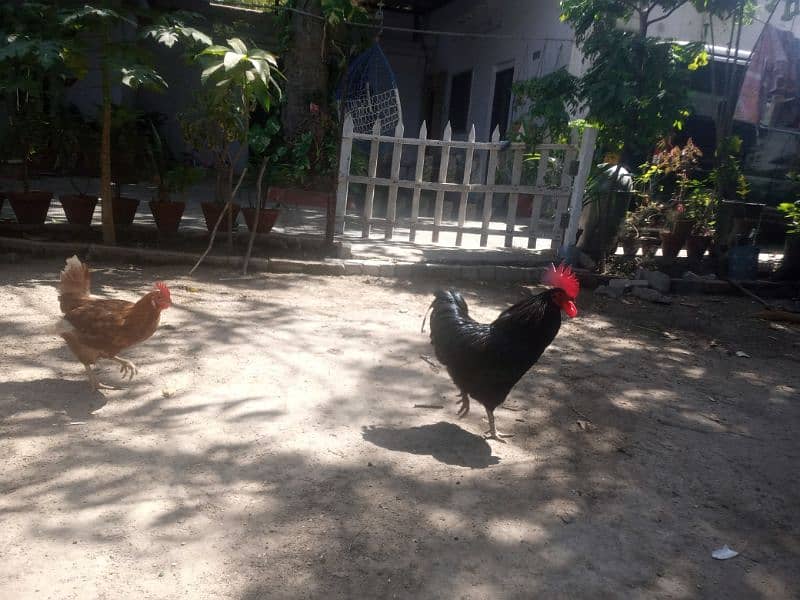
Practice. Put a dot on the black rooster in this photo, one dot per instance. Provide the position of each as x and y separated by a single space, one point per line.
486 361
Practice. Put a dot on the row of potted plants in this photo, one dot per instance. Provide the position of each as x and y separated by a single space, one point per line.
31 208
237 80
674 209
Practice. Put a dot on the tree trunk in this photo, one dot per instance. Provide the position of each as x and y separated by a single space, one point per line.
109 235
309 79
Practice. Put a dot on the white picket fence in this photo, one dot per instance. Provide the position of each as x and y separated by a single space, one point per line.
560 181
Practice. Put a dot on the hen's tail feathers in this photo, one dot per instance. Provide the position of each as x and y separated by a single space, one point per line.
74 286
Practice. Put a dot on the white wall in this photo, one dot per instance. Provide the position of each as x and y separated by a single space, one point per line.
406 56
534 23
686 24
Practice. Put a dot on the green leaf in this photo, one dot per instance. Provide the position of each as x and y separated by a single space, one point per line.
209 71
215 51
231 60
237 45
141 76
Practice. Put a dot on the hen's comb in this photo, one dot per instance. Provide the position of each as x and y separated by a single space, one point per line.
561 276
162 287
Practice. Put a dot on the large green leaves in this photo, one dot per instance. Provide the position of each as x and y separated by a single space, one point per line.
249 73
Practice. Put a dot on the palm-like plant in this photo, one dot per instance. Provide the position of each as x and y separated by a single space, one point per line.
32 53
122 61
237 79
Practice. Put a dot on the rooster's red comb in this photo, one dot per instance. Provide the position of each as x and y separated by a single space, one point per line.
162 287
561 276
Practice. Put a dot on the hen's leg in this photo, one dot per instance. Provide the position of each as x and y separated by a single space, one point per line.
463 411
493 434
127 368
93 381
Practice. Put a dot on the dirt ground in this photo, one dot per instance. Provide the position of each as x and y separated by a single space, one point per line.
270 447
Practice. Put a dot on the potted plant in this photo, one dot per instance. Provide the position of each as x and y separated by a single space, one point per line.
701 211
237 79
266 152
629 236
170 178
75 137
644 222
790 266
667 174
79 207
122 61
167 212
673 236
304 172
30 67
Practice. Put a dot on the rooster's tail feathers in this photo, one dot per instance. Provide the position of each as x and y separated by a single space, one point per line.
74 285
449 300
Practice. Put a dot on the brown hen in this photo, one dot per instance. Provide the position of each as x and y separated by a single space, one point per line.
96 328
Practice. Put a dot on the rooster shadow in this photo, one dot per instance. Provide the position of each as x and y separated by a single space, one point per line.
73 398
446 442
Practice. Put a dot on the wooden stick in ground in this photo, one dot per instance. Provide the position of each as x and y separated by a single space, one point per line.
226 208
747 292
253 231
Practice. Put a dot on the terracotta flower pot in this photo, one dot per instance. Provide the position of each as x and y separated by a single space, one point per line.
211 212
671 244
696 246
167 215
649 247
79 208
266 218
30 207
629 246
123 210
790 266
298 196
682 229
525 205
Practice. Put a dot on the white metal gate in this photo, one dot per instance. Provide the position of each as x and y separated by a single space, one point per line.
559 184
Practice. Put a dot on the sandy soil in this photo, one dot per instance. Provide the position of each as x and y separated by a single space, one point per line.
270 448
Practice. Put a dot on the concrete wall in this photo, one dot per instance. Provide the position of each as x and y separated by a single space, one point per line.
534 24
687 24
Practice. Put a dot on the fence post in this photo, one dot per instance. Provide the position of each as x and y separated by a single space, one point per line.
488 197
343 186
391 204
585 155
462 203
562 201
372 172
538 199
437 210
423 135
513 197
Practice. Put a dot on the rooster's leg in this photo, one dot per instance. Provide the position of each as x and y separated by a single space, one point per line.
127 368
464 402
93 381
493 434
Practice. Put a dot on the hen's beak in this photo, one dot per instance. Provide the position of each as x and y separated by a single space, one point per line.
570 308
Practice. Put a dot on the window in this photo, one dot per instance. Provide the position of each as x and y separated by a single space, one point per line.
501 101
460 89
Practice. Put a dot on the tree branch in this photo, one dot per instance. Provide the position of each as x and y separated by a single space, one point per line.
666 14
225 210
